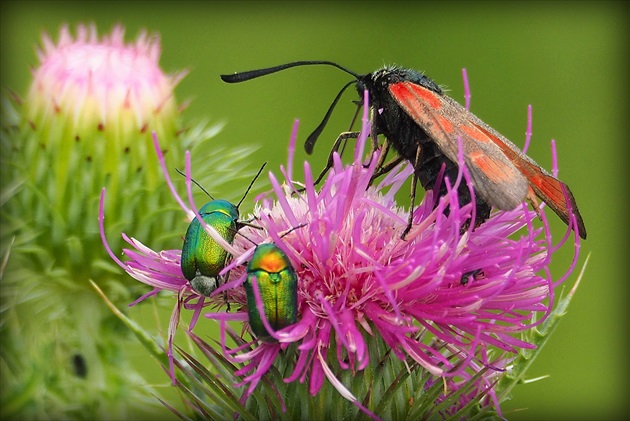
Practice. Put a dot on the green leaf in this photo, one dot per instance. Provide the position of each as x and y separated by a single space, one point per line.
538 337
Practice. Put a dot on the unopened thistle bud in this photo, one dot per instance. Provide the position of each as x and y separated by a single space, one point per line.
85 123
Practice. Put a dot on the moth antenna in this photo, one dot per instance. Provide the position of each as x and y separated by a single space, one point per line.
312 138
252 74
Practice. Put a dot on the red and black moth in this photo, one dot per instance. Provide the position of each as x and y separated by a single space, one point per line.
423 125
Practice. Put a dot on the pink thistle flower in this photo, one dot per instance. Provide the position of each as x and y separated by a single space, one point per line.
444 298
439 297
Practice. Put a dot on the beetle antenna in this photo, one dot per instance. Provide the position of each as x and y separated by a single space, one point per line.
196 183
247 238
293 229
312 138
251 184
289 231
252 74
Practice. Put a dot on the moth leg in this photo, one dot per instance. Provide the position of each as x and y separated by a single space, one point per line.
533 200
374 131
385 168
382 157
414 183
343 137
376 146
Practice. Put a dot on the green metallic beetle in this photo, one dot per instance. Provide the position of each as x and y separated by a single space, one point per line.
277 283
202 257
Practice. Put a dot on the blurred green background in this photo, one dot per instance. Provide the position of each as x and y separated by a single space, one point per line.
568 59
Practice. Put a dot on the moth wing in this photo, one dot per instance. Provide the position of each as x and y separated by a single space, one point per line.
494 176
501 173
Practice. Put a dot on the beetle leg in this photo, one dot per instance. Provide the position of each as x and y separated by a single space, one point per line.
247 223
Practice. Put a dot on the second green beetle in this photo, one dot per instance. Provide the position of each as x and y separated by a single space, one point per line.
277 283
